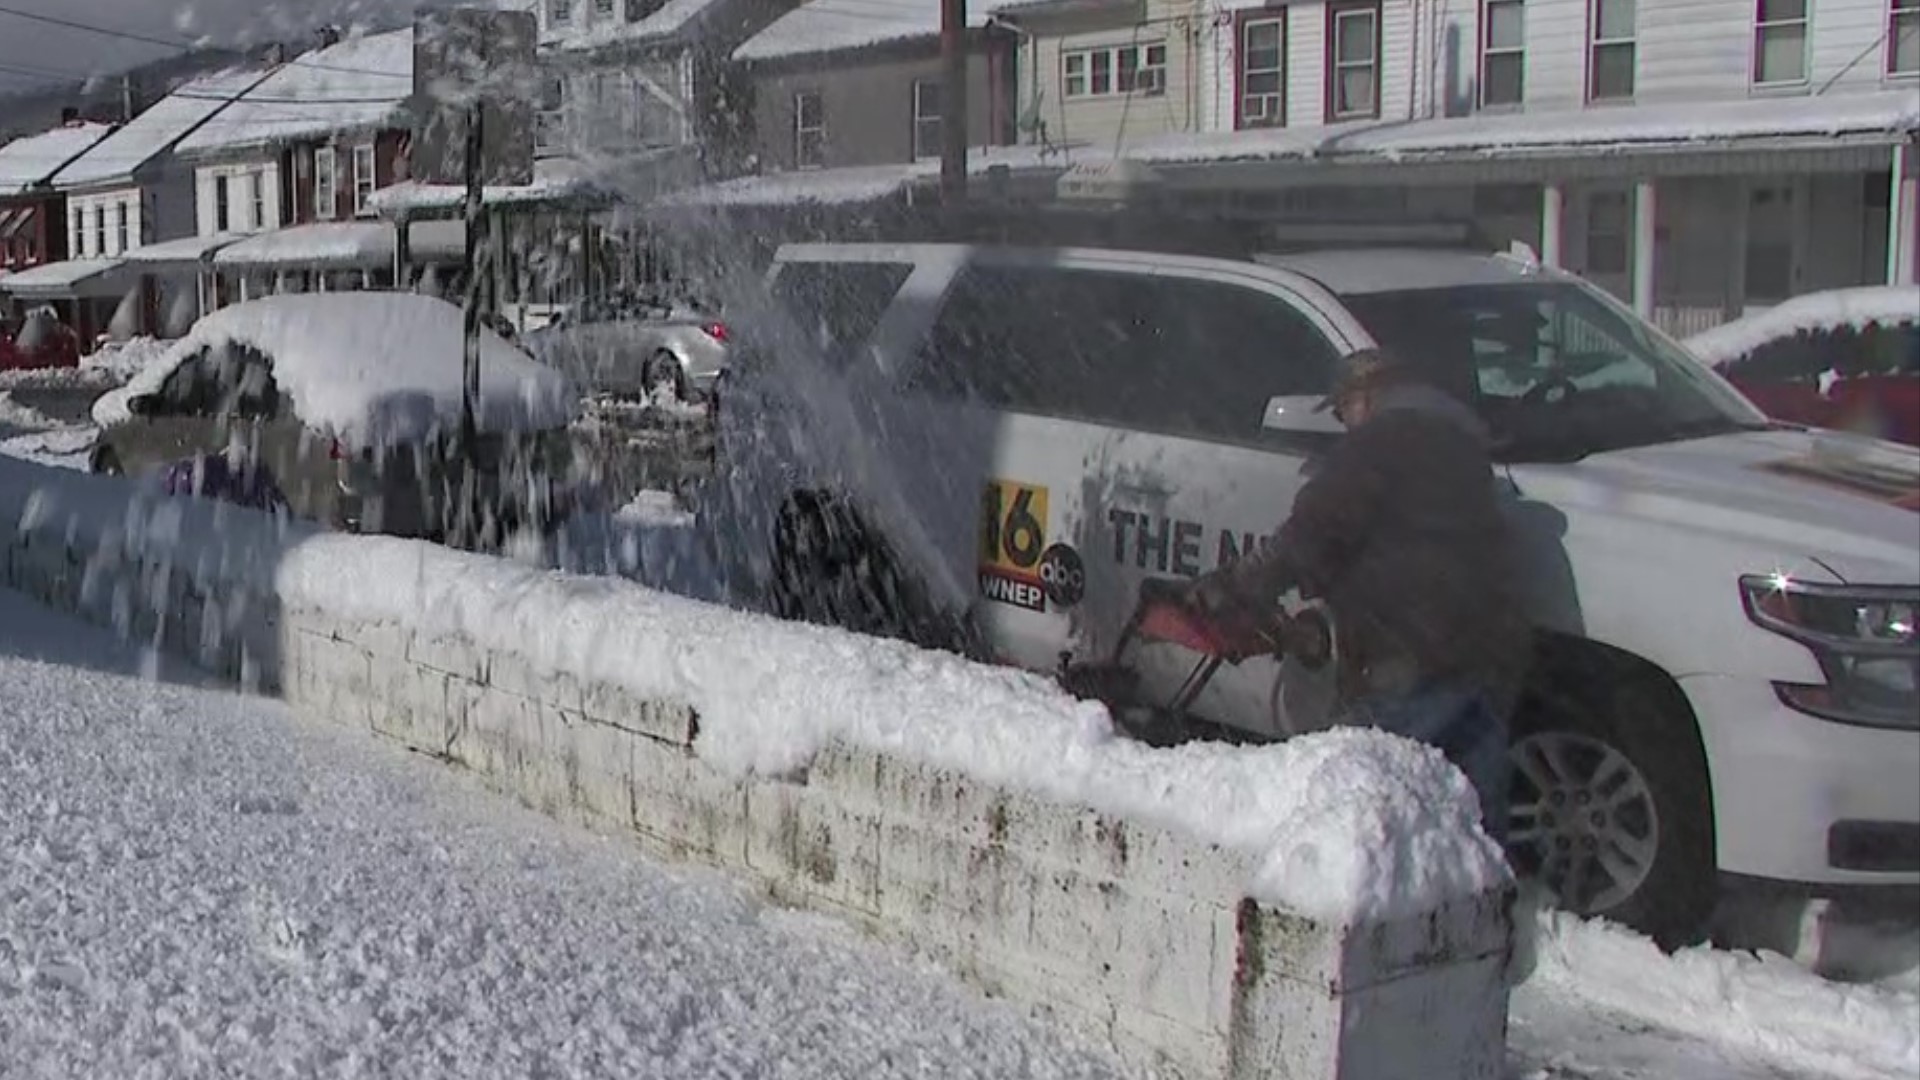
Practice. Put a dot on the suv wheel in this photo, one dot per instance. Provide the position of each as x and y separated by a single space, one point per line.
662 379
1610 810
106 463
829 568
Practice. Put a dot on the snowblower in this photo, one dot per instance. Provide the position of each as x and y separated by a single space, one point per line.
1163 615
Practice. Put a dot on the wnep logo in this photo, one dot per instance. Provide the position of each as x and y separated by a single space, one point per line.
1017 565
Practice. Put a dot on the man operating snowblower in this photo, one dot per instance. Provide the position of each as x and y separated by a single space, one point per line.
1399 534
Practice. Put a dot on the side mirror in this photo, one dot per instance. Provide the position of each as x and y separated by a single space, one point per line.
1296 415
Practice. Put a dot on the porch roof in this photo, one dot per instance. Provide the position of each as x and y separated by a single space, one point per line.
72 279
187 250
556 181
343 245
851 185
1881 118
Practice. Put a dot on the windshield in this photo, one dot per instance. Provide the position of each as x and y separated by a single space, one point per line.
1558 370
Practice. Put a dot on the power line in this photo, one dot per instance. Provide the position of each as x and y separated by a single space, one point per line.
177 44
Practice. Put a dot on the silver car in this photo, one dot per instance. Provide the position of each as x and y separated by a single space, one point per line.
652 347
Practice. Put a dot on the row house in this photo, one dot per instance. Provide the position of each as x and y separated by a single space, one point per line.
306 147
33 212
1639 142
837 88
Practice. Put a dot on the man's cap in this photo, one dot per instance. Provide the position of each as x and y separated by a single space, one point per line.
1358 370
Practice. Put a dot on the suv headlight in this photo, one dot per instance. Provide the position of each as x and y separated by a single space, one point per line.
1865 637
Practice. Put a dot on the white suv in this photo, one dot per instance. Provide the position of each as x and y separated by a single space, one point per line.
1725 679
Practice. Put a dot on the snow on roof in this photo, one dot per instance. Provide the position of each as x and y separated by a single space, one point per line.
669 19
370 367
187 249
1812 312
1887 113
554 179
59 277
152 132
345 244
355 85
27 163
1352 272
854 184
819 26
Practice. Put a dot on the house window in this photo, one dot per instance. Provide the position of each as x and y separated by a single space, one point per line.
640 9
120 228
559 12
1124 69
1780 41
100 229
257 187
1263 72
1353 61
1903 37
1611 50
926 118
1503 55
809 130
79 231
550 123
363 178
222 205
603 9
1609 218
326 183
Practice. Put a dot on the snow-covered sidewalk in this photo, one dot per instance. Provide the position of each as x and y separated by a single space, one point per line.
197 884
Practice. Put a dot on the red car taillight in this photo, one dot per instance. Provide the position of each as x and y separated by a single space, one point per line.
715 330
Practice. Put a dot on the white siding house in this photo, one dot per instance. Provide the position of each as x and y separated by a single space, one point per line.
1698 157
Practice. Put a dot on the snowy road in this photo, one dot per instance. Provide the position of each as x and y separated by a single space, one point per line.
196 884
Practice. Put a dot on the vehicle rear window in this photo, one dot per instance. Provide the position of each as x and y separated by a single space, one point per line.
1146 352
842 300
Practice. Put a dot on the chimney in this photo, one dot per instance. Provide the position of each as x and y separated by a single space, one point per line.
126 99
276 53
328 36
69 116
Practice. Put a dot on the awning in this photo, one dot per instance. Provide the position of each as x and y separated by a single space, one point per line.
75 279
344 245
184 252
16 219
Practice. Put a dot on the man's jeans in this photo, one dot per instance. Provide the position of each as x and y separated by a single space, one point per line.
1461 722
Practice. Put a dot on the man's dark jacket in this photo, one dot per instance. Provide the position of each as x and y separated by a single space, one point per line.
1400 531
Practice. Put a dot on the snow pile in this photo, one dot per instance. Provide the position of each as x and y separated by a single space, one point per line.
123 360
1811 313
1349 825
820 26
199 884
21 417
353 86
1764 1005
26 163
369 368
655 508
148 135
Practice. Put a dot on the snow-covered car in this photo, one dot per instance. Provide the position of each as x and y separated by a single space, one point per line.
650 348
353 402
1725 673
1847 359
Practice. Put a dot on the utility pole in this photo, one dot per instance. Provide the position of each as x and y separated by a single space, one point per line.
476 220
953 102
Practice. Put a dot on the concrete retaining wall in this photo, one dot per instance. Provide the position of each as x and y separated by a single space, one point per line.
1138 937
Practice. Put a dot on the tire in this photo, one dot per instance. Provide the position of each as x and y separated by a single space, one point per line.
106 463
663 376
830 569
1611 808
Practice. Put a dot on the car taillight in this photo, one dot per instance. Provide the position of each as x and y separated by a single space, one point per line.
716 330
336 451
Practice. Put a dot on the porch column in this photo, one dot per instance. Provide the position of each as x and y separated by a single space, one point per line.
402 254
1645 209
1903 217
1553 223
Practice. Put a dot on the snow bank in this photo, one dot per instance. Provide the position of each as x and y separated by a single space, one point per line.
369 367
1745 1002
1813 312
1348 826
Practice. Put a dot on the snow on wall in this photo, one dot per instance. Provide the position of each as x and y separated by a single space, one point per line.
977 812
1830 310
